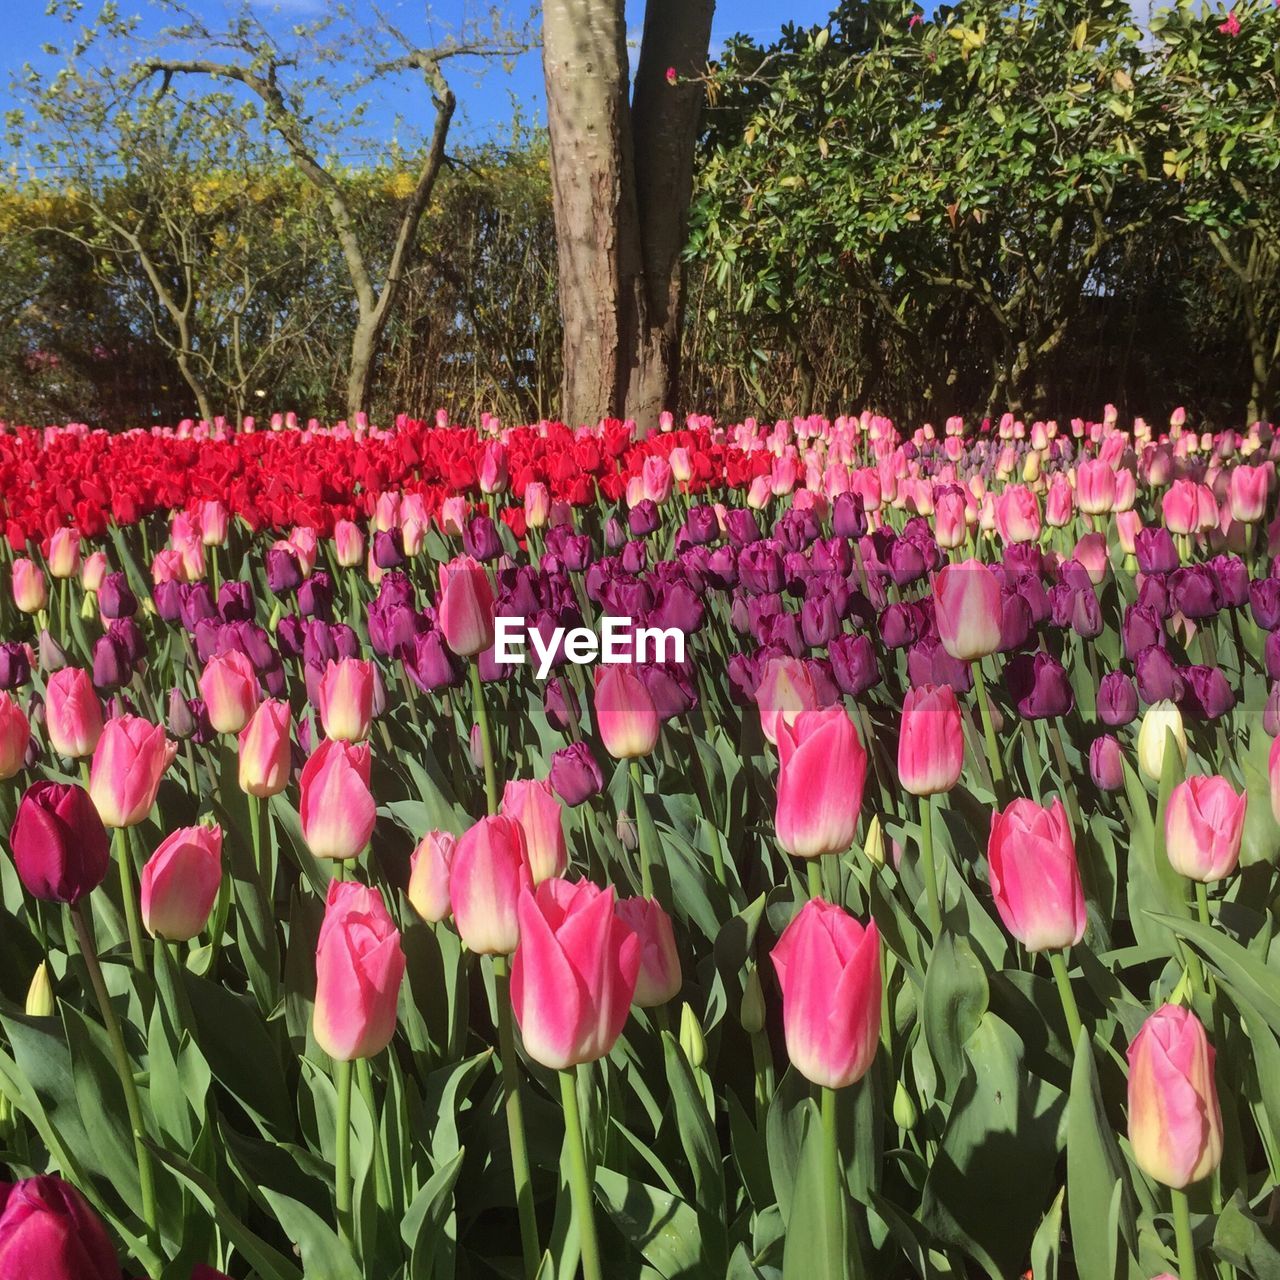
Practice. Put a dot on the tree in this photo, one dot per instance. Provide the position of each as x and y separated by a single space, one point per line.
622 175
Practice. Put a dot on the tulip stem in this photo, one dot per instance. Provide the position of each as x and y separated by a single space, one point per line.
342 1151
486 744
132 920
579 1181
644 830
930 867
832 1183
1202 903
988 725
124 1069
1058 963
816 887
515 1120
1182 1232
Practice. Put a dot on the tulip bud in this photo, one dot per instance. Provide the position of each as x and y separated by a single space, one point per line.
53 657
904 1108
751 1012
967 610
931 741
533 804
40 1002
346 699
1106 763
626 831
1162 719
1175 1124
180 883
475 747
64 553
693 1043
574 774
873 845
1204 823
59 844
659 978
430 866
359 969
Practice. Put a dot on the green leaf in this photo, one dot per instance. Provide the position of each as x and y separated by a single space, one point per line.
662 1227
324 1256
807 1254
1240 1240
956 996
426 1216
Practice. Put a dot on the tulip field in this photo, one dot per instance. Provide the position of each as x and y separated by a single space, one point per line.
902 904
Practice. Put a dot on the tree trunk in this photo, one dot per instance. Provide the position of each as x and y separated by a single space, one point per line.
664 124
621 178
364 345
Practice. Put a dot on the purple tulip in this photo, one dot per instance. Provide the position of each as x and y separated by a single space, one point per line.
929 663
1158 678
1193 592
315 596
1155 550
643 518
1039 686
1117 699
284 573
235 601
1106 763
1264 602
15 665
388 549
575 776
1206 693
854 664
115 598
742 527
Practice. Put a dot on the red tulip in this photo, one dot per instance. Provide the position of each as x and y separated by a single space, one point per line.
574 973
359 968
488 873
1175 1124
180 883
49 1232
820 780
1031 861
336 806
931 740
828 967
128 763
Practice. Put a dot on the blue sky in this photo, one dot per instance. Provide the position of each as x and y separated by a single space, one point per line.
487 97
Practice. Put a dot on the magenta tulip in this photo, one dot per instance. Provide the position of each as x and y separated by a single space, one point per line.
535 806
73 714
820 779
660 977
931 740
49 1232
229 687
15 735
59 844
465 607
967 608
488 874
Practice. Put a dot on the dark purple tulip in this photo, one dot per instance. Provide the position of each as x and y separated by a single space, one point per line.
1086 614
168 600
744 679
675 605
740 613
127 633
318 645
1075 575
1039 686
1158 677
560 702
643 518
345 640
274 681
782 630
722 568
1024 559
480 539
111 667
1206 694
824 683
1106 763
1271 712
906 562
59 845
929 663
635 556
819 623
197 605
15 665
1153 594
1155 550
235 602
701 525
848 516
575 776
1015 621
490 668
1140 630
1193 592
1264 602
181 722
315 596
900 625
253 641
577 552
208 636
392 628
204 733
832 555
1233 580
1036 594
670 688
284 574
629 598
291 634
431 664
395 588
115 599
760 569
614 534
742 527
1061 604
388 549
1117 699
795 530
854 664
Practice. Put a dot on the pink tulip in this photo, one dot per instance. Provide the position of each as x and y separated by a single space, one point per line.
1181 507
359 968
1031 863
1273 776
1018 514
1128 526
128 763
537 504
93 571
951 520
167 566
73 714
15 734
1248 492
536 807
49 1232
30 591
1095 487
488 873
348 544
494 476
266 753
336 806
660 977
931 740
229 687
1175 1125
574 973
786 689
1204 822
180 883
1060 503
828 967
430 867
64 552
820 779
466 607
346 699
212 519
967 609
625 715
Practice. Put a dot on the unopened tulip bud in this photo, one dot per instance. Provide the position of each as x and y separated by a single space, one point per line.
692 1042
625 713
751 1011
659 978
626 831
873 845
905 1114
475 747
1035 878
40 1002
429 869
1161 720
